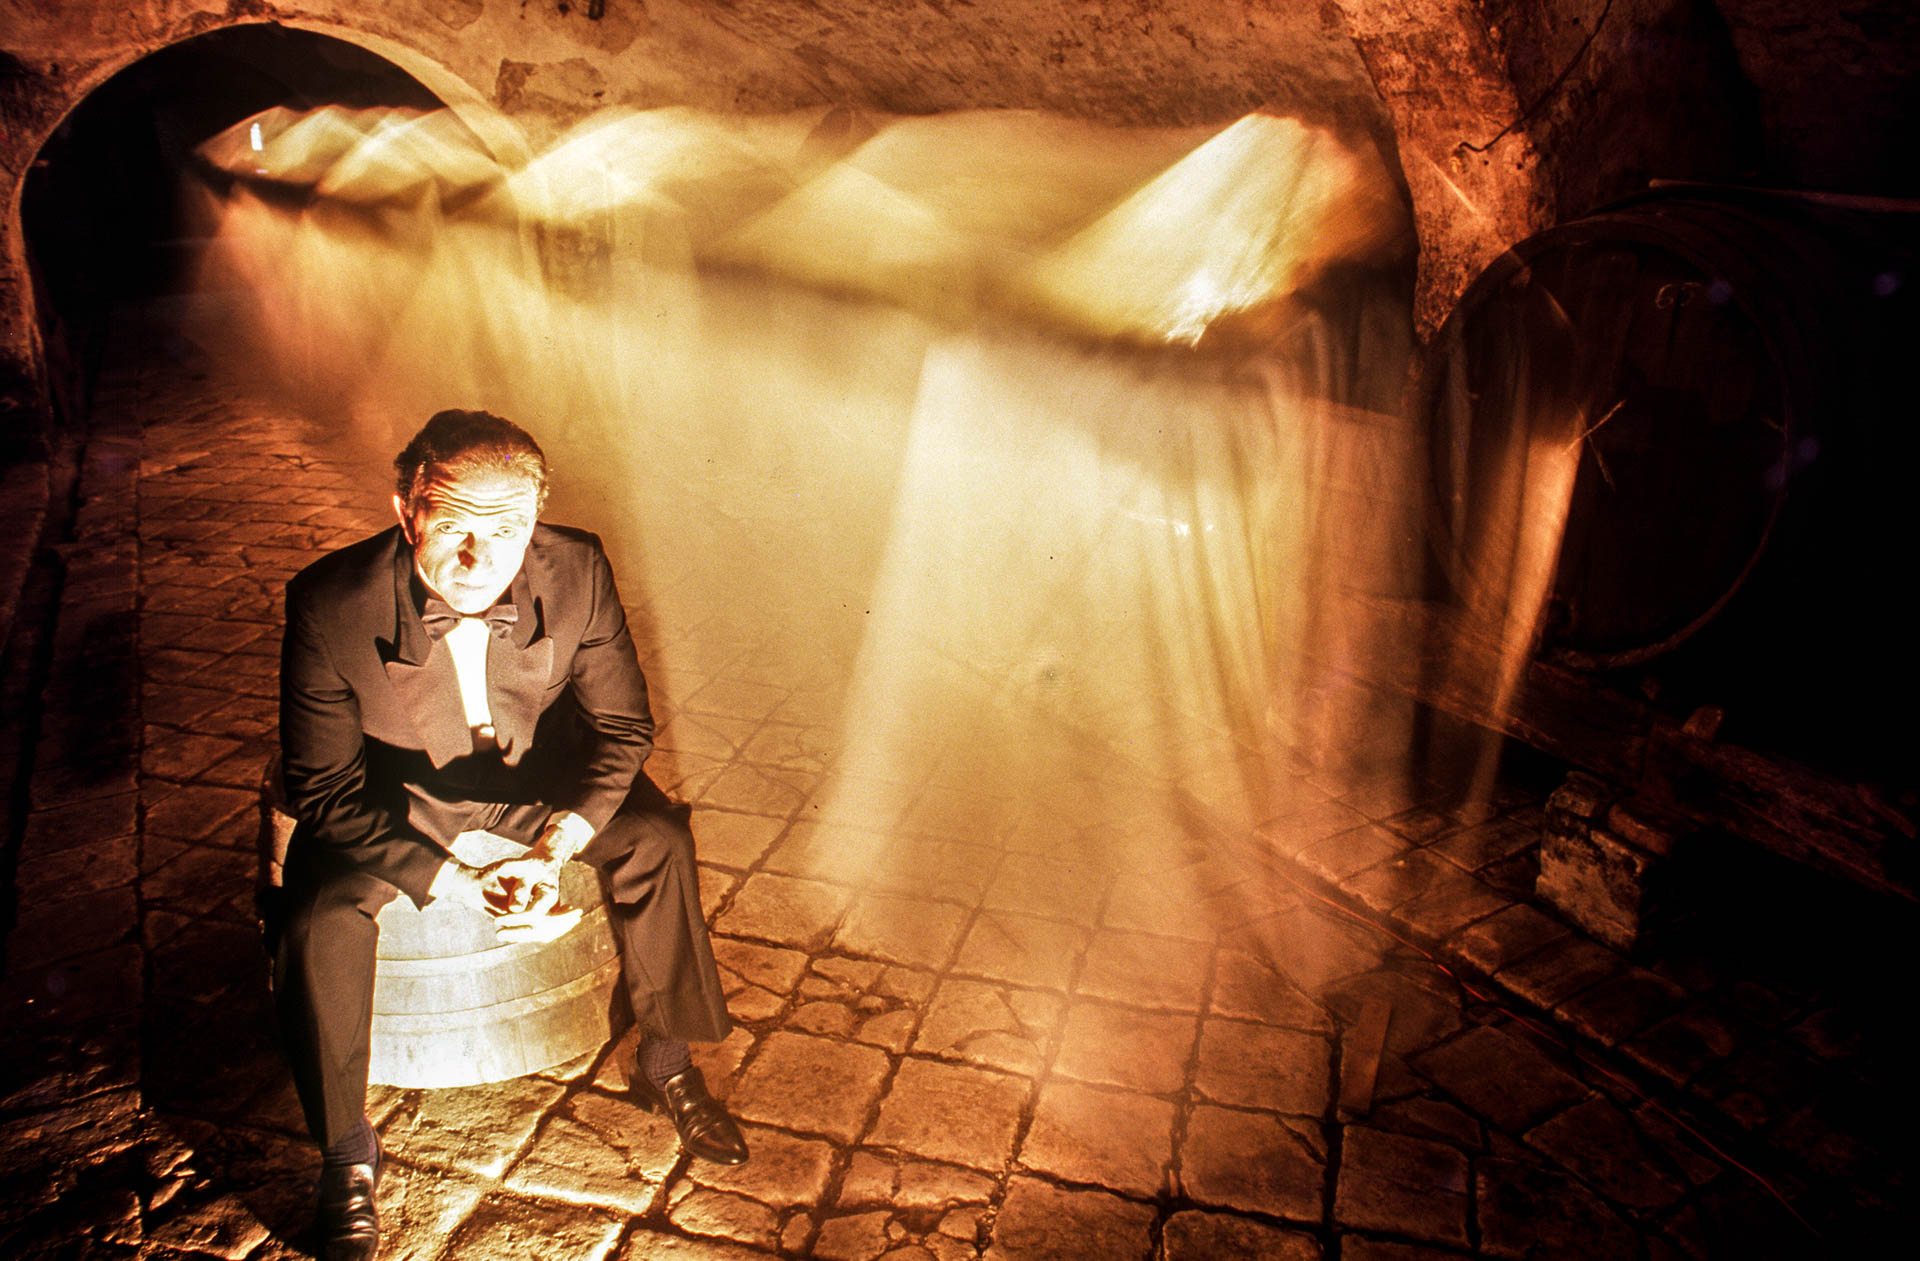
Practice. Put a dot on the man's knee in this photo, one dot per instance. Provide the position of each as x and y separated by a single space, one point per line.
330 907
644 848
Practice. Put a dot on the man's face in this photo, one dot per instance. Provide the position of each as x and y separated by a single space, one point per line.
469 534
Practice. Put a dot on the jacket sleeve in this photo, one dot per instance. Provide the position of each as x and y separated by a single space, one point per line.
611 694
324 757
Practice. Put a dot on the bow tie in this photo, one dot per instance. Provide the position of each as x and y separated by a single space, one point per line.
439 617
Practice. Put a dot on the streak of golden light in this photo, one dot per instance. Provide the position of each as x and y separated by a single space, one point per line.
1459 194
1244 219
897 418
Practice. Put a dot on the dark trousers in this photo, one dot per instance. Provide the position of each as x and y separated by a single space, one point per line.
323 968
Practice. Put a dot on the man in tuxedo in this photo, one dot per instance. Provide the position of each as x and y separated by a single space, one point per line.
471 669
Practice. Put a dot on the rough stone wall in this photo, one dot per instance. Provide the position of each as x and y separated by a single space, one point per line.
1837 90
1649 86
1441 74
1512 115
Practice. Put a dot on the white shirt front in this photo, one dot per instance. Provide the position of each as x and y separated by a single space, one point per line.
468 641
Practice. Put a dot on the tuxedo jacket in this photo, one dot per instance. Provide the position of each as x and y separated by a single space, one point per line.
379 766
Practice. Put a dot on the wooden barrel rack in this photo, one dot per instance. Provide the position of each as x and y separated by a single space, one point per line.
1742 528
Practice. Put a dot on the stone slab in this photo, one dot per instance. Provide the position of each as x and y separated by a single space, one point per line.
952 1113
1099 1137
811 1085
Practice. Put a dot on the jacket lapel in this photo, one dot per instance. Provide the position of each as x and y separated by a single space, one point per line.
421 670
519 667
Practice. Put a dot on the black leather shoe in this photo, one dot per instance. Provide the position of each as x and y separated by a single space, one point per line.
702 1122
347 1221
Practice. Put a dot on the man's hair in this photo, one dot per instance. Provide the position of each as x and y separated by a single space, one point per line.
454 442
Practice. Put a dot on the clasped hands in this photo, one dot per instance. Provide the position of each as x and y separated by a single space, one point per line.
522 894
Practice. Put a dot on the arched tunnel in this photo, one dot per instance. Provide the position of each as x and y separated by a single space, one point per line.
1279 624
102 209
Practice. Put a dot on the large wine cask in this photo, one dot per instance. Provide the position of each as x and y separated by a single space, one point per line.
1737 370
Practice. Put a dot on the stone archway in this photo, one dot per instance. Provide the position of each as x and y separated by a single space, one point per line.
59 109
100 215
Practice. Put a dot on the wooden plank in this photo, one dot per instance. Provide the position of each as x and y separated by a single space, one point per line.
1845 829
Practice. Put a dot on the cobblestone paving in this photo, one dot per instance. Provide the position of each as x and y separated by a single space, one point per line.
951 1043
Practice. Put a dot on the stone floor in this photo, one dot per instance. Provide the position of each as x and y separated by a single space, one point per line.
1000 1040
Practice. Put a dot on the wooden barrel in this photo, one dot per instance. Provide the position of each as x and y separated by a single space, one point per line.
453 1005
1734 366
